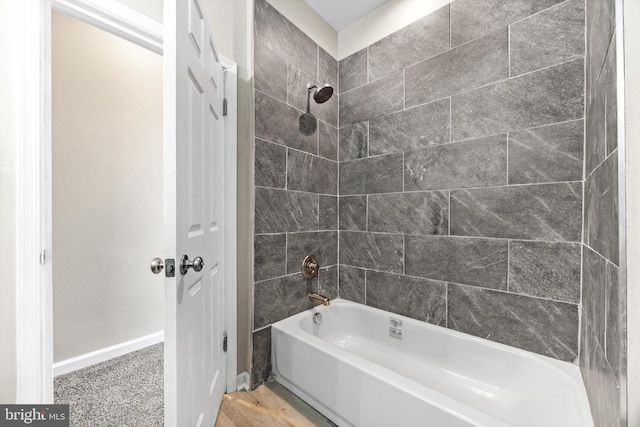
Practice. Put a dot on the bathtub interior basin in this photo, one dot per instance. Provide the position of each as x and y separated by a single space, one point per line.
362 366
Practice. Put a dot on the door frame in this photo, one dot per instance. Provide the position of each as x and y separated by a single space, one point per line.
34 279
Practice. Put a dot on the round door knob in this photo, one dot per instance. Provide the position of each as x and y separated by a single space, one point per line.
157 265
198 263
185 264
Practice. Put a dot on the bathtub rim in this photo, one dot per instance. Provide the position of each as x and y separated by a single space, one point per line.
291 325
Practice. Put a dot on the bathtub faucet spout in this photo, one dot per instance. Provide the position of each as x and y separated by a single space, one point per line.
317 298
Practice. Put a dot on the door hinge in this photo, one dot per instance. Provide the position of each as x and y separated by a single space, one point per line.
225 107
224 343
43 257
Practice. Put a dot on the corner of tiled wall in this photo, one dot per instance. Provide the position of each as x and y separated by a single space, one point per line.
602 337
295 176
461 169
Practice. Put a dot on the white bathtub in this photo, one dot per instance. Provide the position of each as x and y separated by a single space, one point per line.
366 367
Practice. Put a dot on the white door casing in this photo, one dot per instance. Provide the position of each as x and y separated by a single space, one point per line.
195 376
33 251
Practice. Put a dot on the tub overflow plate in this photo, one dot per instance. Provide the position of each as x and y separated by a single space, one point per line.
395 328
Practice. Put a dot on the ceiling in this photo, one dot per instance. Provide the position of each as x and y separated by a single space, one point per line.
341 13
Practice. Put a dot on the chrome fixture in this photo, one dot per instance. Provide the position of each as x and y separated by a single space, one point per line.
310 266
320 95
168 265
157 265
318 299
185 264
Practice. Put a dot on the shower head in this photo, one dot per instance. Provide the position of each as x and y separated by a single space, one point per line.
320 95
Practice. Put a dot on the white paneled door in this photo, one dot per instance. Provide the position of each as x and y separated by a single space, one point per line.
195 362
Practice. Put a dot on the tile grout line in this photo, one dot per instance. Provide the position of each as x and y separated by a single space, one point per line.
507 177
509 49
449 225
508 265
449 282
286 253
454 236
465 189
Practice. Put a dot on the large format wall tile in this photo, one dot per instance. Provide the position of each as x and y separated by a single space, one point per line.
353 213
279 35
476 163
354 142
547 96
420 299
383 96
549 212
270 165
270 256
422 39
279 211
544 269
327 69
382 174
410 129
270 73
372 250
261 364
542 326
600 381
353 71
616 320
277 299
327 141
548 38
297 92
601 209
611 88
473 18
410 213
279 122
594 292
478 262
328 212
547 154
601 23
306 172
469 66
322 244
352 284
596 127
328 282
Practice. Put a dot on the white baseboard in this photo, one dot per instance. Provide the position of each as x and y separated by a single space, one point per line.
243 381
86 360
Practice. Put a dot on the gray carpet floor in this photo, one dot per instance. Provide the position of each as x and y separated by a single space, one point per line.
125 391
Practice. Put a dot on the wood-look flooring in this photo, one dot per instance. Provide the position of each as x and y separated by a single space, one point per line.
269 405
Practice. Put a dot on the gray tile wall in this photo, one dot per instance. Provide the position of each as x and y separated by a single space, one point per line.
296 177
461 172
602 337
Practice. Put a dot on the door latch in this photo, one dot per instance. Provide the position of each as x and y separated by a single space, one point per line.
168 265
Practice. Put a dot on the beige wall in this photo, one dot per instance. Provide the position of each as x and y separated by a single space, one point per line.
307 19
632 136
383 21
107 189
7 211
150 8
